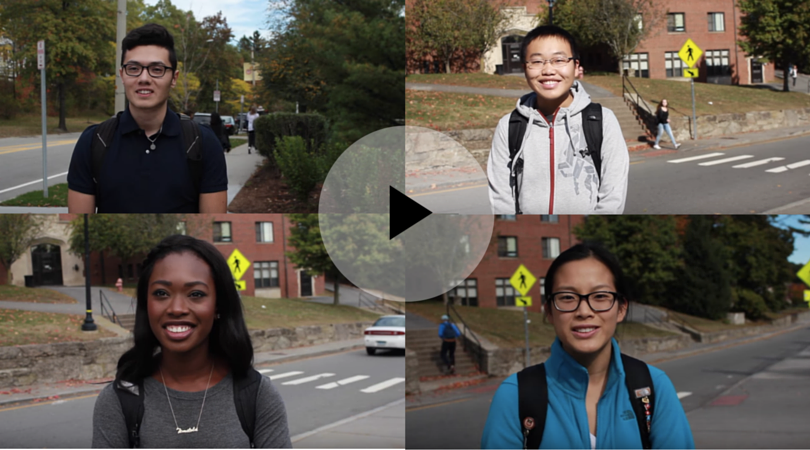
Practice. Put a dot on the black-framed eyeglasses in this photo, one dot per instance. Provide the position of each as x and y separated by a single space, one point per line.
154 70
559 61
599 301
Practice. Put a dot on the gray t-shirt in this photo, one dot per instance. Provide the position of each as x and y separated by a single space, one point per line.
219 424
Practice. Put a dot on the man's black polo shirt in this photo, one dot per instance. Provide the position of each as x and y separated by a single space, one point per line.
133 181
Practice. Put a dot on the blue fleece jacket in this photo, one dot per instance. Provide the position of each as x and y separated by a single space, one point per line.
446 324
567 419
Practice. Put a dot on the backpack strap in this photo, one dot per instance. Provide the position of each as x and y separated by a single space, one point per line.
192 144
532 404
642 395
517 129
245 392
131 398
592 128
105 133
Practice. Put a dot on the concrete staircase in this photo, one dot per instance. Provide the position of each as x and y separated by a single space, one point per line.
633 129
427 345
127 321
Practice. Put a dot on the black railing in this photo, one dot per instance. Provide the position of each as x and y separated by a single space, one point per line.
478 350
640 105
369 301
110 315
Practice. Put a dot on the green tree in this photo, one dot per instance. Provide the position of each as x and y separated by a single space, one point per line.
16 233
778 30
77 37
449 28
704 284
647 248
621 24
310 253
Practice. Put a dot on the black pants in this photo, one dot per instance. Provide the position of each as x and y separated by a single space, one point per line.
449 353
252 139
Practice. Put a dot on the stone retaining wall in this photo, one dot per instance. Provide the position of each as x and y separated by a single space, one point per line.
47 363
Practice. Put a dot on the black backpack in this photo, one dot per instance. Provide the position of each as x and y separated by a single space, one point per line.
591 126
533 400
245 391
105 133
448 332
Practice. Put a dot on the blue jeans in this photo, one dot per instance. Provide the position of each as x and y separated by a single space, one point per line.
661 128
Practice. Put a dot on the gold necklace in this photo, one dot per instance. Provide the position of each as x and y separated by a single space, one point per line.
192 429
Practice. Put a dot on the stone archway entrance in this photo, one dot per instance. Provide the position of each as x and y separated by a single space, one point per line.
510 50
46 260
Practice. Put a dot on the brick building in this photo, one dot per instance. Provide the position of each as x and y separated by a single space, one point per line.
261 238
533 241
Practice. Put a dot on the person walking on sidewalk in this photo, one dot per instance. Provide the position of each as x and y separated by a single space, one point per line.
587 394
190 341
794 72
448 332
662 116
251 117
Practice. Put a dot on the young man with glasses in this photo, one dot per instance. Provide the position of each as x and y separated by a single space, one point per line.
146 159
557 153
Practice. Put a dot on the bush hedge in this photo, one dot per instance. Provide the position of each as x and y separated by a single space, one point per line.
312 128
302 164
750 303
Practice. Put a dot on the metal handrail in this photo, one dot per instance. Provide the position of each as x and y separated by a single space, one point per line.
111 316
369 303
479 352
626 79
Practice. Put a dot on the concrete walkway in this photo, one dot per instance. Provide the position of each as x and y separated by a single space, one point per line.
120 303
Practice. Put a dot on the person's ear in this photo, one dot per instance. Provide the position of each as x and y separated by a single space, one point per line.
623 305
174 77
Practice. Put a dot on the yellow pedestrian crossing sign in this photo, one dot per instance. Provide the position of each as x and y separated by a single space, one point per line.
241 285
690 73
522 280
690 53
804 274
807 296
238 264
523 301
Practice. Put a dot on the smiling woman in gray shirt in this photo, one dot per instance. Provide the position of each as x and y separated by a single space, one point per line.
191 344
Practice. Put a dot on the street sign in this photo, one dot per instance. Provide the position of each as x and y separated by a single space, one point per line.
238 264
243 99
216 96
804 274
241 285
40 55
690 73
690 53
523 301
522 280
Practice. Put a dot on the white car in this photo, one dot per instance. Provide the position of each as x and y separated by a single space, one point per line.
388 332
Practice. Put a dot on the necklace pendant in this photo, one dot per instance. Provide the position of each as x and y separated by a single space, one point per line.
188 430
152 147
147 151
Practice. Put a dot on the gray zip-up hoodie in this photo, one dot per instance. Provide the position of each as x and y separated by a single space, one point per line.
562 181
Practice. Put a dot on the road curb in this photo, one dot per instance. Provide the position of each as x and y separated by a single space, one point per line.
291 358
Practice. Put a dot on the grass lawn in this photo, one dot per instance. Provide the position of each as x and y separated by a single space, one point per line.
57 196
504 328
31 124
451 111
29 327
33 295
236 142
287 313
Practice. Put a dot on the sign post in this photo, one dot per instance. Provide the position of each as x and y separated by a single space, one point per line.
216 96
41 67
523 280
690 54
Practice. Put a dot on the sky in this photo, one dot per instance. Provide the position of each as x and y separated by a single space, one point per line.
244 16
801 245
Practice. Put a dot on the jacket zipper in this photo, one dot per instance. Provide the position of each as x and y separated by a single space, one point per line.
551 140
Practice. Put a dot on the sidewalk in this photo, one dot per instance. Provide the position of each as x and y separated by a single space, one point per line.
383 427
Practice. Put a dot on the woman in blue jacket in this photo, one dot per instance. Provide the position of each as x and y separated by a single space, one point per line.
588 402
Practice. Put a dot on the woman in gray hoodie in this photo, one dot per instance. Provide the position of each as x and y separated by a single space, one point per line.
553 171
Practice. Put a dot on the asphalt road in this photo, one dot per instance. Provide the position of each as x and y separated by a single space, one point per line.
363 384
753 395
21 163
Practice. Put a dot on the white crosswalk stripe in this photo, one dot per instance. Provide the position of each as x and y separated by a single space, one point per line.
779 169
383 385
284 375
308 379
342 382
264 371
683 394
695 158
758 163
796 165
725 160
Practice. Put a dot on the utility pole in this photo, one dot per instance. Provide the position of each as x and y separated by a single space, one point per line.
120 34
89 324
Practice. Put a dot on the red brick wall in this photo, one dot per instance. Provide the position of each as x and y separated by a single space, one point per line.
529 231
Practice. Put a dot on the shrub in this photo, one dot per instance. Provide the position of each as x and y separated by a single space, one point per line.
312 128
8 104
301 167
750 303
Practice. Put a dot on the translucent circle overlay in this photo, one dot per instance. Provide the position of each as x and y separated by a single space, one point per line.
435 254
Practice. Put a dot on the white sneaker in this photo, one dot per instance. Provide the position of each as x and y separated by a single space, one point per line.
676 146
656 147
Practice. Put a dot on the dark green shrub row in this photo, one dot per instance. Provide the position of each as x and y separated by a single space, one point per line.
312 128
303 164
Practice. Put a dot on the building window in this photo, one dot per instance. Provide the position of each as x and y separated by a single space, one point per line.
676 23
552 218
637 64
504 292
507 246
717 22
181 228
551 248
674 65
264 231
509 217
222 232
717 63
265 274
467 292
